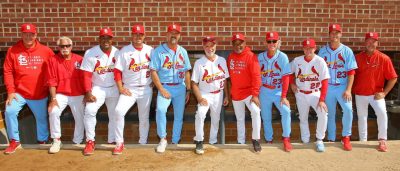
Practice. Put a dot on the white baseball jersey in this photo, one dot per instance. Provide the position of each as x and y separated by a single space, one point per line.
210 75
102 66
134 65
309 74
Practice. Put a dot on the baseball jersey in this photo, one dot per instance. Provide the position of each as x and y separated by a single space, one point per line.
339 62
170 65
65 75
210 75
309 74
25 70
372 72
273 69
102 66
134 65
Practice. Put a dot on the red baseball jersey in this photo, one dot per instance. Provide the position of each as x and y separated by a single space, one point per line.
25 70
372 72
65 75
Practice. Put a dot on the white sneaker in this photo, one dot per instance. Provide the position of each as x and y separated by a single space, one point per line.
55 146
162 145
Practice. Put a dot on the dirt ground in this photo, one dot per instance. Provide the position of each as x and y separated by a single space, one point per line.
364 156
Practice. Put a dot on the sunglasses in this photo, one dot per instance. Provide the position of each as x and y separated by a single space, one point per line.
64 46
271 41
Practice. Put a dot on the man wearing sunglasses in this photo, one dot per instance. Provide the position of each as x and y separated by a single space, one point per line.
25 70
275 71
99 86
66 88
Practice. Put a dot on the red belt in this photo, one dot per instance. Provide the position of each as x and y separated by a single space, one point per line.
216 92
308 92
269 86
170 84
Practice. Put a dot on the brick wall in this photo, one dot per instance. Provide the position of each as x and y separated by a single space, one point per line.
294 19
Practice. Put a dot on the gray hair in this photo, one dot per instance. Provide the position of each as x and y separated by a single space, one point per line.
64 38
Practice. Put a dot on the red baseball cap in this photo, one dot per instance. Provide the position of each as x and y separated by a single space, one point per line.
28 28
138 29
335 27
372 35
309 43
238 36
173 27
106 32
209 39
272 36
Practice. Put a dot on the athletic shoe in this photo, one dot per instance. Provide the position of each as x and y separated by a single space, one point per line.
287 146
162 145
320 146
55 146
382 147
42 142
346 143
118 149
89 148
14 145
256 146
199 147
269 142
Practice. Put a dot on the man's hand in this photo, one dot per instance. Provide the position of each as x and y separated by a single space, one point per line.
255 100
379 95
125 91
294 88
10 97
53 103
285 101
187 97
322 106
89 98
202 101
347 96
165 93
226 101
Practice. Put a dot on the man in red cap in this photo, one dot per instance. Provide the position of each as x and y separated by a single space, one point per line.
244 72
275 72
170 67
374 68
310 86
341 63
66 88
25 76
209 86
99 86
132 75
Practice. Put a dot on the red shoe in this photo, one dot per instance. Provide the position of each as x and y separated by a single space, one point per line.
382 147
346 143
287 146
14 145
118 149
269 142
89 148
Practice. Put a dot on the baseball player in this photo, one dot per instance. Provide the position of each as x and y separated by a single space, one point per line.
244 71
170 67
25 69
374 68
275 71
99 85
341 63
310 87
132 75
66 88
209 87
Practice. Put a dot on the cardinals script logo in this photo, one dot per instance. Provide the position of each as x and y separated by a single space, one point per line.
336 64
136 67
314 76
213 77
271 72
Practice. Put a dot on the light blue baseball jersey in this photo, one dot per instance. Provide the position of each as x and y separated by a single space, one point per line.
272 70
339 62
171 66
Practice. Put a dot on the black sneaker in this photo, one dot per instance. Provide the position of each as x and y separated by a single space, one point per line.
256 145
199 147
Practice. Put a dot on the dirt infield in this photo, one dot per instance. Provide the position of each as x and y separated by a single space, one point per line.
228 157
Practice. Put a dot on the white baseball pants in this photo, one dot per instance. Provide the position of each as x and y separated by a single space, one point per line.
379 107
109 95
239 108
214 101
143 96
77 109
304 101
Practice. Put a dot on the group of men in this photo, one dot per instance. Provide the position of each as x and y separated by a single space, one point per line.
120 78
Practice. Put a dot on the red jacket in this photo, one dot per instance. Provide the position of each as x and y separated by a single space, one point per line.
65 75
244 72
25 70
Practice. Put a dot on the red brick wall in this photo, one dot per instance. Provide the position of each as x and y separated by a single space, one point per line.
294 19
